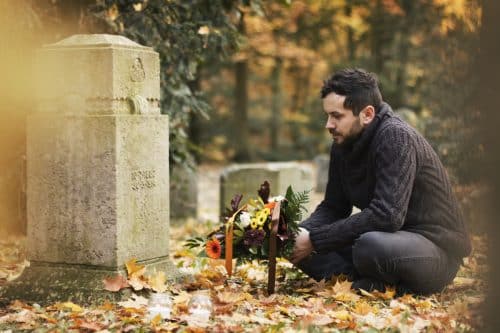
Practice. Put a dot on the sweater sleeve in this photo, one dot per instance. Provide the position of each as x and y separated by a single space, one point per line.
335 205
395 170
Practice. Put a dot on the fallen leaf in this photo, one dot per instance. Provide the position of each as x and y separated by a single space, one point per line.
389 293
134 302
370 319
158 282
363 308
318 320
92 326
343 315
134 269
463 283
228 297
115 283
68 306
138 282
156 320
341 291
107 306
261 320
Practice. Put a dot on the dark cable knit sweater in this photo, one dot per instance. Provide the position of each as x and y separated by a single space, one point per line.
394 176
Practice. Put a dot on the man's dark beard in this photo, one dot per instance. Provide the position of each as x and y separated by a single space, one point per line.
348 142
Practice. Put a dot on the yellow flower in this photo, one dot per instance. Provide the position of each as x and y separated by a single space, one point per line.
254 223
266 211
261 218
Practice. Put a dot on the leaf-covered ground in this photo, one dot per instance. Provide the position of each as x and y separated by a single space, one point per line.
241 304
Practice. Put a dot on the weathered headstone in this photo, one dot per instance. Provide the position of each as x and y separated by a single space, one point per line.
183 193
97 169
246 178
322 163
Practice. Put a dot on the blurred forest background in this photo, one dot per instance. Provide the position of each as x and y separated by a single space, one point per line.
240 79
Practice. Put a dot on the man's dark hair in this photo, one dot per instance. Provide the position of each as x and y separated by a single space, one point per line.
359 86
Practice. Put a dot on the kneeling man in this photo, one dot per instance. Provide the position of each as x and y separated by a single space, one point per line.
410 232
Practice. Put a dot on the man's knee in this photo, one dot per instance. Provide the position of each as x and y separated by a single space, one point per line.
370 251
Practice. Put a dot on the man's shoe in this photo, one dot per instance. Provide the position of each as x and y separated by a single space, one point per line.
368 284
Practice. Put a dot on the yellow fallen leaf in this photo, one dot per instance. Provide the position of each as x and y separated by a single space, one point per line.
182 298
424 304
158 282
107 306
461 282
389 293
133 269
68 305
343 315
341 291
342 286
228 297
363 308
156 320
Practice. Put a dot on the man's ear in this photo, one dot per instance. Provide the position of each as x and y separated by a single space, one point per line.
367 114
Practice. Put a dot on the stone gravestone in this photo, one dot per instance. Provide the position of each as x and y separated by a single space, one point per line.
322 163
183 193
97 169
246 178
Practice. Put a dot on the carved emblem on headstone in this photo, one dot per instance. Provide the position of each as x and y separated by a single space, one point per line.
137 73
138 104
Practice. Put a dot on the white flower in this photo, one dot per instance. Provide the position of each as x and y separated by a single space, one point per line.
245 219
277 198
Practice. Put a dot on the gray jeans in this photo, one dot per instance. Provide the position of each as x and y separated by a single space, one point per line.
403 259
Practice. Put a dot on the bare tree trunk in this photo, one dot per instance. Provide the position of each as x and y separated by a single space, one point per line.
404 50
195 128
240 122
351 46
277 103
377 28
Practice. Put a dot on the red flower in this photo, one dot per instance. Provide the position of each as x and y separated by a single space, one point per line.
213 248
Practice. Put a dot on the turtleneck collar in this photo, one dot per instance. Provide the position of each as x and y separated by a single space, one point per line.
360 145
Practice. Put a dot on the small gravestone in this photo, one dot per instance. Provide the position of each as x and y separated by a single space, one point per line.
97 169
322 163
245 179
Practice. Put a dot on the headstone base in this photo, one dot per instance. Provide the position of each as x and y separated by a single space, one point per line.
46 283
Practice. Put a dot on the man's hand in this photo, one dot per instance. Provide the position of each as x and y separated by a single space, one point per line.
303 246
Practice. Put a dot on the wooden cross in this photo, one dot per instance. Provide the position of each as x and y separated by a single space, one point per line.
271 275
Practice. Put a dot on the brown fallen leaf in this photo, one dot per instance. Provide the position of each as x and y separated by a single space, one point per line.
115 283
83 324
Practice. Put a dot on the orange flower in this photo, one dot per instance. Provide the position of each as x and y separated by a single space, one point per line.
213 248
270 205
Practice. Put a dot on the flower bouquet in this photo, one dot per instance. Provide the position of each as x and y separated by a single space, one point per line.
263 228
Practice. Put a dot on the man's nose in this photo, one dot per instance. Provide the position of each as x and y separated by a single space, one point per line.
330 124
